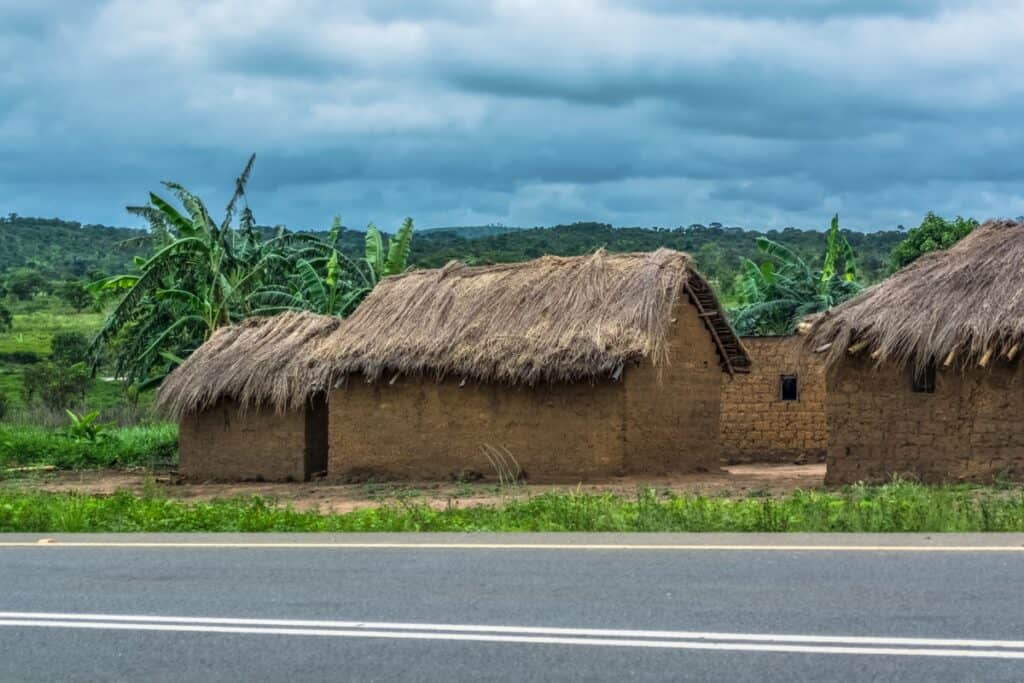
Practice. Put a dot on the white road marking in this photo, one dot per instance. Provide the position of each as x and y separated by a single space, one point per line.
52 543
677 640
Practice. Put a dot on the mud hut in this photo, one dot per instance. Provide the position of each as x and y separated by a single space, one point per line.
924 374
244 402
558 369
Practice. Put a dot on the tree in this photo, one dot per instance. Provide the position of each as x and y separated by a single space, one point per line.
69 348
934 233
56 386
6 319
75 294
775 299
201 276
24 283
64 377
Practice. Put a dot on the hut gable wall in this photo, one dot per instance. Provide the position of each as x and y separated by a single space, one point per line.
416 428
756 425
969 429
672 410
220 443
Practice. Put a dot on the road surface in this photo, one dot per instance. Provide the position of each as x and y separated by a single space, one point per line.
511 607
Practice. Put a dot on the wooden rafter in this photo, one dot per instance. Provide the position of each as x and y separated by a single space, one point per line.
695 299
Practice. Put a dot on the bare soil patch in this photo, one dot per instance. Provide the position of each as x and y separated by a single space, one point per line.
329 496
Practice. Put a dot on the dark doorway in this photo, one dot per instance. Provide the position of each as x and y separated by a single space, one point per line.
316 436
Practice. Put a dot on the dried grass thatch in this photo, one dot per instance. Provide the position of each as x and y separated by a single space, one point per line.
554 319
261 361
962 306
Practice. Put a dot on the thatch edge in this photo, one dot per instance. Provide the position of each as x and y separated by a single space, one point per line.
951 342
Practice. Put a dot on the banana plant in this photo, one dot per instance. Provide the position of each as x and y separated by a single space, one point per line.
777 294
200 277
324 280
395 259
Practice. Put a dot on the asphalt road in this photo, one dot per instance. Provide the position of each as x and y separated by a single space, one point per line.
511 607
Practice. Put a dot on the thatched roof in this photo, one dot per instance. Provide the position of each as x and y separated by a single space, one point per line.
959 307
554 319
261 361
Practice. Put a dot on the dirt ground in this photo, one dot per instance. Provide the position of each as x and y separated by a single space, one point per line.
327 496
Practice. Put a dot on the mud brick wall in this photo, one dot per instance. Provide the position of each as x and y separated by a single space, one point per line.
756 425
970 429
257 445
655 420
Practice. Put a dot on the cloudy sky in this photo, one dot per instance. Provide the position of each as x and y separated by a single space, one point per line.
526 112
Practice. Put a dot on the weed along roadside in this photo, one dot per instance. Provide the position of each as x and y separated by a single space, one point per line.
895 507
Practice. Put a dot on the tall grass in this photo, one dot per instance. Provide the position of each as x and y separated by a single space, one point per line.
150 445
894 507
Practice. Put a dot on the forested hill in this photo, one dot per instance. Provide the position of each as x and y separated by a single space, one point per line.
65 249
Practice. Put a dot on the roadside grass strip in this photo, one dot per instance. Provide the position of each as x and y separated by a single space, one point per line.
894 507
262 544
530 635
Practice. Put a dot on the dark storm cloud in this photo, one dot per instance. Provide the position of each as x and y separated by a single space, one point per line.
526 112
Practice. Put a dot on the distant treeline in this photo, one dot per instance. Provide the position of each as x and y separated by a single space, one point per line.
60 249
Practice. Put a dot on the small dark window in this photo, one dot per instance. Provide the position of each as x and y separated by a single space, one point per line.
788 390
924 379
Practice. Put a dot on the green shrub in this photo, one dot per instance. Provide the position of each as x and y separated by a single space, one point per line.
5 405
75 294
57 386
130 446
86 427
24 283
934 233
69 348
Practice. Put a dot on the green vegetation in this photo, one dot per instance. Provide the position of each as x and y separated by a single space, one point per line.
896 507
202 276
774 300
25 445
25 353
325 280
60 250
32 330
718 250
934 233
189 275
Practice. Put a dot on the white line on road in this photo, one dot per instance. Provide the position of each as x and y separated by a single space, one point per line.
534 630
52 543
678 640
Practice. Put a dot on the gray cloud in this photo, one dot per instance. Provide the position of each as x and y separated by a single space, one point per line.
638 113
